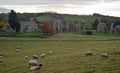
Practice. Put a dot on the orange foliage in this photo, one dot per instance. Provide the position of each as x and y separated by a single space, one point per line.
101 24
2 24
47 27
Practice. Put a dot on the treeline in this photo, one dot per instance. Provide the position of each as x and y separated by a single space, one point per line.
27 16
111 19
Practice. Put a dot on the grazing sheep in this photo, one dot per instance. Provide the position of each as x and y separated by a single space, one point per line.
104 55
33 68
1 57
26 57
26 44
32 63
1 54
88 53
42 55
69 49
18 47
114 47
17 50
35 56
1 60
3 44
50 52
95 49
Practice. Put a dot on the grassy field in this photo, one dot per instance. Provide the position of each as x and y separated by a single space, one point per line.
62 60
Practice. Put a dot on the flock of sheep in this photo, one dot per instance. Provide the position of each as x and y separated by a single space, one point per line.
104 55
34 65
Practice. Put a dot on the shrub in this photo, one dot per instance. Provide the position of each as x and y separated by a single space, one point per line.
88 32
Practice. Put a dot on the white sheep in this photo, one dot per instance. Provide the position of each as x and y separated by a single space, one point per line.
50 52
3 44
88 53
18 47
114 47
104 55
42 55
1 57
69 49
17 50
32 63
35 56
1 54
26 57
1 60
33 68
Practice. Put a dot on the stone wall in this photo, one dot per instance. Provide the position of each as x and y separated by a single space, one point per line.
117 29
26 26
61 25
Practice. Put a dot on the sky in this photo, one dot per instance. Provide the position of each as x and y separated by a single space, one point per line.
79 7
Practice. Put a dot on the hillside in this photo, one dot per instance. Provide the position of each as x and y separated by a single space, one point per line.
87 19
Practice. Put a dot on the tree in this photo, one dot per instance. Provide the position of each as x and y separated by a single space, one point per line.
47 27
103 20
95 24
14 21
2 24
117 22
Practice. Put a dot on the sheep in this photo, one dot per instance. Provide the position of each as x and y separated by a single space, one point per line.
17 50
3 44
26 44
1 60
104 55
26 57
32 63
18 47
42 55
69 49
35 56
1 57
50 52
1 54
114 47
88 53
33 68
95 49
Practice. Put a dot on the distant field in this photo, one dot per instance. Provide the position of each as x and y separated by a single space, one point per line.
62 60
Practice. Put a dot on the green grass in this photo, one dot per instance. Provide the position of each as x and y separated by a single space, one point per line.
30 34
61 60
104 34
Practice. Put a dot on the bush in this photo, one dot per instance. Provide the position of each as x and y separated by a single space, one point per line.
88 32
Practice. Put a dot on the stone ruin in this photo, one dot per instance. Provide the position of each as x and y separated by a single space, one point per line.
59 23
69 26
116 29
26 26
110 29
101 27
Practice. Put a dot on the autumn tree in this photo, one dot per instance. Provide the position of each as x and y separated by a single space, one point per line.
13 21
2 24
47 27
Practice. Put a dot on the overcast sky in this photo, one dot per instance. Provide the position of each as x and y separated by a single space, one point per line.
87 7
